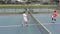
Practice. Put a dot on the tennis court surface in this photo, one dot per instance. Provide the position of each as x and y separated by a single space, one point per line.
37 24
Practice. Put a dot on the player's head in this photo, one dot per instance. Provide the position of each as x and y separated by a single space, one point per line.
24 12
55 11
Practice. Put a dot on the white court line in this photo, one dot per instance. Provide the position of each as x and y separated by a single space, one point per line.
11 26
51 23
19 25
29 25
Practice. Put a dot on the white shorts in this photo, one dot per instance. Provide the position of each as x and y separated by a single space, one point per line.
25 20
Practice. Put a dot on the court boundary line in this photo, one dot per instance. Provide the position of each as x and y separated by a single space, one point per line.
51 23
11 26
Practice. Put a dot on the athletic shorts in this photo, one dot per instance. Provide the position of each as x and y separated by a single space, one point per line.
25 20
53 17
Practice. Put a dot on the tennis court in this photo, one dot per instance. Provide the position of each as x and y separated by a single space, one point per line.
12 24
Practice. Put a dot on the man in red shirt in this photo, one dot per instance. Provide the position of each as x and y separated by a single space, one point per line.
54 15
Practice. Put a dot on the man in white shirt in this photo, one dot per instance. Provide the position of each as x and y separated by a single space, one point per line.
25 18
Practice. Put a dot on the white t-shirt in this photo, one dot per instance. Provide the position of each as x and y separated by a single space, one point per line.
25 17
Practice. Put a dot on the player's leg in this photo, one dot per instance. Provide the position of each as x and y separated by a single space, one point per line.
25 23
52 18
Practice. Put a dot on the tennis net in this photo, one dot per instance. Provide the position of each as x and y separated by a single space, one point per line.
41 27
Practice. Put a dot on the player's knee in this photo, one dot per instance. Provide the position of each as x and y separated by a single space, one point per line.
52 18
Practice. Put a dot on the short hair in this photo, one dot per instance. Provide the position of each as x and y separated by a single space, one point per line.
55 11
24 12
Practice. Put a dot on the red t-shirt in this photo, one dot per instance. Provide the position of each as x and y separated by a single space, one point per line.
54 14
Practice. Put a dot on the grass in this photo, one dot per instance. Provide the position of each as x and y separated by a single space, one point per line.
25 6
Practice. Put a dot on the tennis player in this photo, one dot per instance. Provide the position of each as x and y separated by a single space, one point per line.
25 19
54 15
